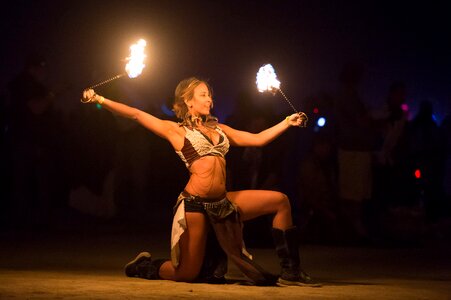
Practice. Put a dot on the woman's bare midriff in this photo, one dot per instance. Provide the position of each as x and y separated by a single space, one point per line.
208 177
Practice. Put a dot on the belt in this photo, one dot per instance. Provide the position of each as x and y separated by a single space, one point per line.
201 199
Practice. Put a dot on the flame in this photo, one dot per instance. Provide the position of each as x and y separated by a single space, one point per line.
135 63
267 79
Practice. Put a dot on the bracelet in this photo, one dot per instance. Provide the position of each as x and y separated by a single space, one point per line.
101 100
288 120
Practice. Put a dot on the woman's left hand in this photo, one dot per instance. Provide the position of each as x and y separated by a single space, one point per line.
297 119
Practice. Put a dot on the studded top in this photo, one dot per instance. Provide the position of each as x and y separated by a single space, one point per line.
197 145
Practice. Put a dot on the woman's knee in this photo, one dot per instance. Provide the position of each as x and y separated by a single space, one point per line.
188 275
282 219
283 201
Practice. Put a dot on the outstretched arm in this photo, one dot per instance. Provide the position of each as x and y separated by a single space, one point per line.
163 128
247 139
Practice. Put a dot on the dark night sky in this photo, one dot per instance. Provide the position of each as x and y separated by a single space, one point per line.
226 41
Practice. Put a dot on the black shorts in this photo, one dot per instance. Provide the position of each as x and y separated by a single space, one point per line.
194 206
215 209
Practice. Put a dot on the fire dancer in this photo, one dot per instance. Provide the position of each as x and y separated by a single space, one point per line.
202 143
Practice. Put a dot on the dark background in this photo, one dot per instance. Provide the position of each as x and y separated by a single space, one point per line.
225 42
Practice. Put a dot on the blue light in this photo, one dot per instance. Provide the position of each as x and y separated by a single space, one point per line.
321 122
167 111
434 117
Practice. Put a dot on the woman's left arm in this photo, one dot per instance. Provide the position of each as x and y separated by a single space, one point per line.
247 139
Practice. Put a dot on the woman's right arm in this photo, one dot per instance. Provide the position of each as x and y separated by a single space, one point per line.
163 128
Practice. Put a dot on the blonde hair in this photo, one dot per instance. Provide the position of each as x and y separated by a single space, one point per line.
185 92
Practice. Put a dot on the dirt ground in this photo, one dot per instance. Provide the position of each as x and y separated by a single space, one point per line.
87 265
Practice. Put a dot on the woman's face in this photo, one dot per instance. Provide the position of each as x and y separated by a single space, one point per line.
201 102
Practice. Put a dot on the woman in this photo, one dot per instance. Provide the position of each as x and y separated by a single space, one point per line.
202 143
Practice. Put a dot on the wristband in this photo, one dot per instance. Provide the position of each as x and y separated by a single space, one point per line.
288 120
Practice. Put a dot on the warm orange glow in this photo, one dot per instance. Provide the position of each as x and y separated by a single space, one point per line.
267 79
135 63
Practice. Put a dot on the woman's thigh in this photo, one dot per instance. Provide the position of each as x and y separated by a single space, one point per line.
255 203
192 250
192 245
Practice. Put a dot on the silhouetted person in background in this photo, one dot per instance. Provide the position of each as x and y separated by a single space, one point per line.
35 133
393 126
92 135
317 187
355 146
391 178
425 155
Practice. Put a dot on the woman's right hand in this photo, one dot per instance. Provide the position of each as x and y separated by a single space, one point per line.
89 96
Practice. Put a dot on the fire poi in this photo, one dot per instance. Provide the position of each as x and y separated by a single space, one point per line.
134 66
267 82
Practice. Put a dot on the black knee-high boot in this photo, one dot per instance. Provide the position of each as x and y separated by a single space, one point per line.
144 267
287 248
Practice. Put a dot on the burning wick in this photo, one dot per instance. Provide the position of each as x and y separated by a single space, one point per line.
134 66
267 81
